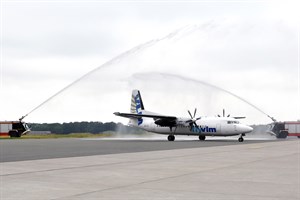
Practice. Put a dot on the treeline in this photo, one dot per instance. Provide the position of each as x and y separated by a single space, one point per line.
80 127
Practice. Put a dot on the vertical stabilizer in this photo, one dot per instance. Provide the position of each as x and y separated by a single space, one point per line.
137 106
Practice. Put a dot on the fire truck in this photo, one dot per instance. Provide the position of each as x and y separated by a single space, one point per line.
284 129
13 128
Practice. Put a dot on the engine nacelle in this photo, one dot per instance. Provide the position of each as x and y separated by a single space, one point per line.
165 122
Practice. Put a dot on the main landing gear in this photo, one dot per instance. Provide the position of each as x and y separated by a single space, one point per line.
171 137
202 137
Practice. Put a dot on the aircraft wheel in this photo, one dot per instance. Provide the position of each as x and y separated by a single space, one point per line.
202 137
171 137
241 139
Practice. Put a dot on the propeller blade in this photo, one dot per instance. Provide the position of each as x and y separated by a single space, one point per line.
193 119
196 124
219 116
223 112
189 121
190 114
228 115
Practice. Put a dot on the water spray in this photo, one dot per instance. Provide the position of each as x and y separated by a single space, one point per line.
168 75
177 34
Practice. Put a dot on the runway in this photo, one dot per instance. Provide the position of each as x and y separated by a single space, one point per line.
151 169
34 149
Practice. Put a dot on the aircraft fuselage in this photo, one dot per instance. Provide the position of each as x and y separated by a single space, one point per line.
208 126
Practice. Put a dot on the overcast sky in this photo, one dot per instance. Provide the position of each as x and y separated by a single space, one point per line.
167 49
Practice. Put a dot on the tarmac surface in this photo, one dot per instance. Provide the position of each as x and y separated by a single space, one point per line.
34 149
156 169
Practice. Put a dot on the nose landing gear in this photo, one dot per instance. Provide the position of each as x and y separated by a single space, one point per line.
241 139
171 137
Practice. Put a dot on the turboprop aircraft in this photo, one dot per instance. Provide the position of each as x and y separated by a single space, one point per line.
171 125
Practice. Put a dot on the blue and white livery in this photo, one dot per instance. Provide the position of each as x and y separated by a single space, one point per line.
171 125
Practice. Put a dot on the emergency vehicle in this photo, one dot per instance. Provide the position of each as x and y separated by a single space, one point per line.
13 128
284 129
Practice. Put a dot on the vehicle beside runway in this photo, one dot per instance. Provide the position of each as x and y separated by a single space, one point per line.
13 128
285 129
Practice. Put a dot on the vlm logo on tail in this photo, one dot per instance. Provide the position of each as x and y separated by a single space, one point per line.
137 105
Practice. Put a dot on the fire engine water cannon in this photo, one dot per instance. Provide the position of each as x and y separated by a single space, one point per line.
272 118
23 117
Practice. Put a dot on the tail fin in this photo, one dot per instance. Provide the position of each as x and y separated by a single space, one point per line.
137 106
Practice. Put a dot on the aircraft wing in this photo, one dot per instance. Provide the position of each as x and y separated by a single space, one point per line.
138 116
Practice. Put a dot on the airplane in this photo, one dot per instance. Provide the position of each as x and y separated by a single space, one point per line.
172 125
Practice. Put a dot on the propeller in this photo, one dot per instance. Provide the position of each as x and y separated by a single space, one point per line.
193 119
229 115
224 114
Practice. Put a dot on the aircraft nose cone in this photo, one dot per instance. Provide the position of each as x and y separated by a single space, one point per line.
248 129
244 129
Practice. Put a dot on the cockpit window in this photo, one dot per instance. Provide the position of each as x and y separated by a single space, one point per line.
233 122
